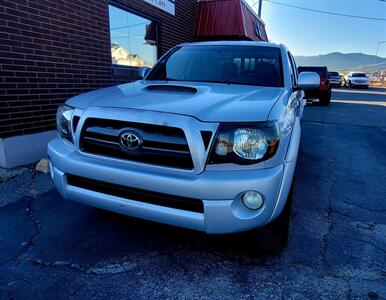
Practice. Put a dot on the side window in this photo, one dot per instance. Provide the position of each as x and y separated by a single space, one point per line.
294 74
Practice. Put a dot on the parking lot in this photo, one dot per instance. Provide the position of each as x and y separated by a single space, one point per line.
51 248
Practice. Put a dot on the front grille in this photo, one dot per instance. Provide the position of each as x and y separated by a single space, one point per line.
162 145
155 198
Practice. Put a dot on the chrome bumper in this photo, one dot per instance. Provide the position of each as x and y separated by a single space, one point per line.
220 191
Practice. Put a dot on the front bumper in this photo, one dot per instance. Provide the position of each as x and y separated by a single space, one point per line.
335 82
359 83
220 191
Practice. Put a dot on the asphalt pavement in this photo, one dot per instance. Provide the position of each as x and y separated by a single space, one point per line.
56 249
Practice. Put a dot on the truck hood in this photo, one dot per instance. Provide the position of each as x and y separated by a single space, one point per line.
208 102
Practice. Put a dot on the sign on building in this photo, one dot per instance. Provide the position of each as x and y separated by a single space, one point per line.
165 5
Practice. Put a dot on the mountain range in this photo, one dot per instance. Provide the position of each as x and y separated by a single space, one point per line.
344 61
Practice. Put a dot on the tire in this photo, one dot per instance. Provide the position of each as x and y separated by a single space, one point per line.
273 237
325 100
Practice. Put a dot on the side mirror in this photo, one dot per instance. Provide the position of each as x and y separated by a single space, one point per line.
142 72
308 81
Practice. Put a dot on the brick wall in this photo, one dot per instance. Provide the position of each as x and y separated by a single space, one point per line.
51 50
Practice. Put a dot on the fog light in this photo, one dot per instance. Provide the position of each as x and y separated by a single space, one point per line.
253 200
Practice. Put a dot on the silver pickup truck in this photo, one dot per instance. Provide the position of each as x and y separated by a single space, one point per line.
207 140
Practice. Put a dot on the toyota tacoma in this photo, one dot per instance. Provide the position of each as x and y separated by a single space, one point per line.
208 140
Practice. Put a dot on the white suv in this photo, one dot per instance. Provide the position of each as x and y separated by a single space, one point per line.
356 79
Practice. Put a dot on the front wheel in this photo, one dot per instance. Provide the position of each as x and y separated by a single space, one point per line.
273 237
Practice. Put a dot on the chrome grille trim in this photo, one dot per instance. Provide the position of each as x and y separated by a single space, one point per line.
162 145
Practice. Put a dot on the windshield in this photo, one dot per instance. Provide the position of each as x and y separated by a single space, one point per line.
248 65
358 75
333 74
322 71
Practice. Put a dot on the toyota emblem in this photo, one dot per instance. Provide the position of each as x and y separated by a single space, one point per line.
130 141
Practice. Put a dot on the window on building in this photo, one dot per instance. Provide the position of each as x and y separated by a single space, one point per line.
133 39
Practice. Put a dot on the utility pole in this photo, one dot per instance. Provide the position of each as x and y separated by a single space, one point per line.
376 55
260 6
379 43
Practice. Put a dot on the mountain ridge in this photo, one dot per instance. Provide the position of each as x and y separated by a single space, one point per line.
337 61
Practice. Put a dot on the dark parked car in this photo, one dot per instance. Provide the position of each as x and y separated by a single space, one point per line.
335 79
323 93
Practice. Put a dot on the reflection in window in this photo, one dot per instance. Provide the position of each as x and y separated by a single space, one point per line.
133 39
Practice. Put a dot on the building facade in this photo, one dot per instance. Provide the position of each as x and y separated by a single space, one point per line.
51 50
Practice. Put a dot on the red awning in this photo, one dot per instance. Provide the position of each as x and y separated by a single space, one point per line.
228 19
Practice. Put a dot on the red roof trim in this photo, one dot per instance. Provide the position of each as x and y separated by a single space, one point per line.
228 19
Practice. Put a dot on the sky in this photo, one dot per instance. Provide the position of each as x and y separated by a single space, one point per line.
310 33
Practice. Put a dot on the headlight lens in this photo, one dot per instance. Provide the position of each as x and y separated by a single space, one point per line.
63 122
245 143
250 143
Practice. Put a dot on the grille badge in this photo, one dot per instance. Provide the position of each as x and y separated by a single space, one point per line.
130 140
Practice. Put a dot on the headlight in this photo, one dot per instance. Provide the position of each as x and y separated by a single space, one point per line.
63 122
245 143
250 143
